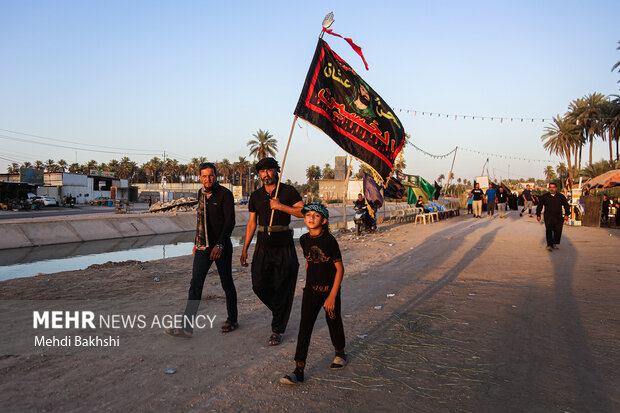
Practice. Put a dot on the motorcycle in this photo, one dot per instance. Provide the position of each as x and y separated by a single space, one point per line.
363 220
69 202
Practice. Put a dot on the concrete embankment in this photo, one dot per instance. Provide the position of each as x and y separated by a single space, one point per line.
32 232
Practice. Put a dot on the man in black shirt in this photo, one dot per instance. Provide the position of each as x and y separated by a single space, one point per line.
553 202
502 198
215 222
477 202
274 263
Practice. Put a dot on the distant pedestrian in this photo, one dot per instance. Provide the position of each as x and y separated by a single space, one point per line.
553 203
502 199
605 210
527 201
150 201
478 196
470 200
490 196
616 204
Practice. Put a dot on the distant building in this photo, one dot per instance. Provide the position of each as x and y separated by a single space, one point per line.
81 187
340 167
330 189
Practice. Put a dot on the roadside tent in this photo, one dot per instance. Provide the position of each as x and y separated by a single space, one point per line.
609 179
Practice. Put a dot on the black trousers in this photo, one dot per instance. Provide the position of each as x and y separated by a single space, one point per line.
274 276
311 305
201 266
553 231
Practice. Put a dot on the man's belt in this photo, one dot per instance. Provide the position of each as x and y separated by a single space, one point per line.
273 228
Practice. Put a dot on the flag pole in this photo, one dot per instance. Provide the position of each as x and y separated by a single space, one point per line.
282 170
450 174
346 190
327 21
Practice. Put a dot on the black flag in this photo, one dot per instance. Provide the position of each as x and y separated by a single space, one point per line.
338 101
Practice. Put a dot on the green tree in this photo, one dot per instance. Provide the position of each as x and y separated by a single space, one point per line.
62 165
263 145
50 165
225 169
550 174
313 173
328 172
561 138
586 113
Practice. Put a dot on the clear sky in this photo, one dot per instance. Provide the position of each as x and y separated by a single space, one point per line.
198 78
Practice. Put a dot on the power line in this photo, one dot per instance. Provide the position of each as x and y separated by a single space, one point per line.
12 138
76 143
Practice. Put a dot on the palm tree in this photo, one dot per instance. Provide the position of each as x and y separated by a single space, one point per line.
263 145
560 138
550 174
617 64
243 168
13 168
313 173
440 178
39 165
585 112
62 164
75 168
225 169
92 164
50 165
328 172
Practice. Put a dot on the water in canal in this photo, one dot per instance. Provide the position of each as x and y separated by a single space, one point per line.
47 259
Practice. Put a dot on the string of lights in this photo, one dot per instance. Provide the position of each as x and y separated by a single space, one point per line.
501 119
430 154
487 154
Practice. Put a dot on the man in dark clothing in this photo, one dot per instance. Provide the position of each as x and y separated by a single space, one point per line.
502 198
215 222
360 201
478 196
420 204
605 209
274 263
616 204
553 202
527 201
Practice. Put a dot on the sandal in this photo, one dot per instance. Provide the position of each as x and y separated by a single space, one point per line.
275 339
229 326
338 363
177 332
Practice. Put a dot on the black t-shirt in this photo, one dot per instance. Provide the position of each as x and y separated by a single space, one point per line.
321 252
502 197
259 203
477 193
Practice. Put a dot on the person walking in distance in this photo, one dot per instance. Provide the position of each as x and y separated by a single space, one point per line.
502 199
215 222
553 203
490 196
527 201
477 196
274 263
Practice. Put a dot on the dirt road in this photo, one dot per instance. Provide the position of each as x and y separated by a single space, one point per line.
482 318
